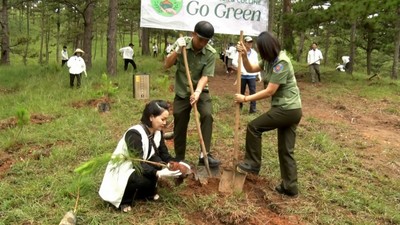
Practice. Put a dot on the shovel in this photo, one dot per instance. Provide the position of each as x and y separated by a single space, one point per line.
232 180
196 115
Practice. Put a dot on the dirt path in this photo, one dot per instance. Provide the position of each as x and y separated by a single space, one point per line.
373 132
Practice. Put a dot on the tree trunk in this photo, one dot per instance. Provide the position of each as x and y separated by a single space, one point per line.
101 44
5 35
395 67
271 16
352 47
369 52
42 36
77 37
112 37
287 31
165 42
88 33
47 45
301 46
140 35
28 39
58 35
327 46
145 41
96 38
131 31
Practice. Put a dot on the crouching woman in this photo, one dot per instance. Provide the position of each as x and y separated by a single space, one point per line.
122 183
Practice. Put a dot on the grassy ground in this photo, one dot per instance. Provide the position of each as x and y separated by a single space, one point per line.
337 187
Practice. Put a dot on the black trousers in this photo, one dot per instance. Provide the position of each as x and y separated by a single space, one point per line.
72 79
127 61
138 187
63 62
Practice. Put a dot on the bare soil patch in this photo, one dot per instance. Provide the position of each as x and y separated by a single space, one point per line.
94 103
4 90
35 118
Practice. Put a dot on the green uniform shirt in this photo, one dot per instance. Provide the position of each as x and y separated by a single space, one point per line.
281 72
201 64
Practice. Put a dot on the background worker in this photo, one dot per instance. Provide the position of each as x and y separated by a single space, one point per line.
248 79
127 55
231 54
76 66
64 56
284 115
155 50
201 59
314 60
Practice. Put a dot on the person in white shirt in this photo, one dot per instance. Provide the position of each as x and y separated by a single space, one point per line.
343 67
76 66
155 50
168 49
64 56
247 77
314 59
231 52
127 54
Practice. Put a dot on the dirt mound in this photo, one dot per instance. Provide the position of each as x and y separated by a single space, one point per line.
102 104
35 151
258 204
36 118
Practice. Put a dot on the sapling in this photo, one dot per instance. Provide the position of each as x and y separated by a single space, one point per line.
23 118
108 89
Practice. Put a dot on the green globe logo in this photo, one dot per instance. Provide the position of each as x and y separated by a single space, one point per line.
167 7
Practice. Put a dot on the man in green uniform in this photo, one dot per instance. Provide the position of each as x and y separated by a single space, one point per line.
284 115
201 59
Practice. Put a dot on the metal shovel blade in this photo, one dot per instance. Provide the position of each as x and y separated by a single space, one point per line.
231 181
202 174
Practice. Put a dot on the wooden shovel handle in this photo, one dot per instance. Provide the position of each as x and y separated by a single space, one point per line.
237 112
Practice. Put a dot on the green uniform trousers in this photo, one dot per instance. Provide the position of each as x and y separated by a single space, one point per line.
286 122
181 111
315 73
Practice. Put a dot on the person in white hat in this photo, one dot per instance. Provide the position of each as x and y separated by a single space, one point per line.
76 66
248 78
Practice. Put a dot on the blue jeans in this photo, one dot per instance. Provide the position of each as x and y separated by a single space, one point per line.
252 89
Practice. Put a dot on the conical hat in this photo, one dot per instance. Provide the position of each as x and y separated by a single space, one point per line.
79 50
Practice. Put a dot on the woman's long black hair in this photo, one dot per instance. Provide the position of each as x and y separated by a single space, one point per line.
268 46
153 108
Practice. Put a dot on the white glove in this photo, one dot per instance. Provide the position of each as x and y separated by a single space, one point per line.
168 173
186 165
179 44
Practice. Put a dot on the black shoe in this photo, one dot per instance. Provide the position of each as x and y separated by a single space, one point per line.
246 168
211 161
283 191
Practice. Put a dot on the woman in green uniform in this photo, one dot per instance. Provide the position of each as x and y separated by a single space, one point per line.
284 115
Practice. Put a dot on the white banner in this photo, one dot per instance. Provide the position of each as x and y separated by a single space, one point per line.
227 16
